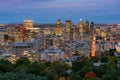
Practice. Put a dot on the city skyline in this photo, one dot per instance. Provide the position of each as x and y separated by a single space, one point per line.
48 11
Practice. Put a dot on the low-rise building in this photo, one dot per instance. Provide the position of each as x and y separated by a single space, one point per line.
52 53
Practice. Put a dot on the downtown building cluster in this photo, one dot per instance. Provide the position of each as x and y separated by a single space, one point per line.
60 42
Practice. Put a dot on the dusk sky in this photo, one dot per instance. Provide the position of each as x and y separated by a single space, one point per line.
48 11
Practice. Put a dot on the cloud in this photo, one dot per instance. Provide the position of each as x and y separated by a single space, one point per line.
22 1
75 8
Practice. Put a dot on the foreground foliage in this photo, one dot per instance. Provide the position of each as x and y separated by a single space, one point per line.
58 70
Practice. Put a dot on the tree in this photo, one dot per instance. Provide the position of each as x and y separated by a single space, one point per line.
75 76
48 64
95 59
37 67
112 60
84 70
111 52
23 62
102 69
111 75
50 73
56 70
20 75
95 78
104 59
5 66
61 68
76 65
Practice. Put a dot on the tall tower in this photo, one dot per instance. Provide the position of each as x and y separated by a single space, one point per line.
28 23
58 30
98 31
92 27
81 26
81 29
67 30
86 27
71 33
93 46
68 25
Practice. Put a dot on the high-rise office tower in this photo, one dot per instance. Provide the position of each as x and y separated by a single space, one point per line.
68 23
86 27
71 33
81 26
58 30
98 31
67 30
92 27
81 29
68 26
28 23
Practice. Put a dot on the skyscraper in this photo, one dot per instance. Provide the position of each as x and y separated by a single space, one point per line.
92 31
81 29
81 26
58 30
68 25
28 23
67 30
86 27
91 26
